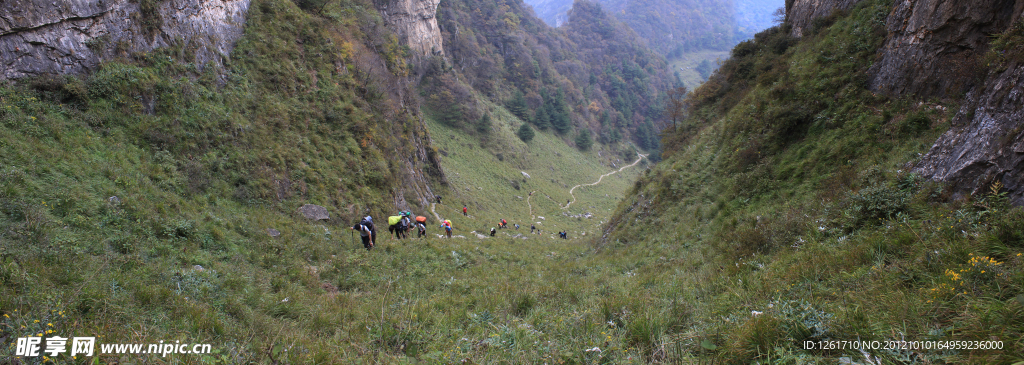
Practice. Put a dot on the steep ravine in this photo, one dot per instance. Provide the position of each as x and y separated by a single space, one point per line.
934 49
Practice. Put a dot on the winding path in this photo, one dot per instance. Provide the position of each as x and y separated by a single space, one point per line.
432 206
638 158
530 205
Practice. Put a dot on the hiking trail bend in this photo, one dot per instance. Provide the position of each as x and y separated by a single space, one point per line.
432 206
638 158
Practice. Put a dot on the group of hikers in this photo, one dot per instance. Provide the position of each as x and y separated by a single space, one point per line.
399 225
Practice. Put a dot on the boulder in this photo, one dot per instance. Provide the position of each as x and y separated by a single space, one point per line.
314 212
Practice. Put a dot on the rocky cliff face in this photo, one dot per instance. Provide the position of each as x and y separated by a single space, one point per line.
416 22
986 142
72 36
802 13
933 47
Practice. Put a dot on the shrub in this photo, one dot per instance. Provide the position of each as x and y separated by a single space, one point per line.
583 140
878 202
525 133
914 124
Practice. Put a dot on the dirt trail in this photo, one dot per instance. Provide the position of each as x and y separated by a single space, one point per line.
432 206
638 158
530 205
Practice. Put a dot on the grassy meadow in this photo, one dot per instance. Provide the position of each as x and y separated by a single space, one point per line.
784 210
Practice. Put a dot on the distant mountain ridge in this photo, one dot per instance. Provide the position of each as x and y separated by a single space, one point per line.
672 27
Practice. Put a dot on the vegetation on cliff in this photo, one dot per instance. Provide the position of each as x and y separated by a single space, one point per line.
794 216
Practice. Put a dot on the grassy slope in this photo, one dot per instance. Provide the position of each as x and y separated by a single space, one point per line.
183 254
686 65
485 184
828 236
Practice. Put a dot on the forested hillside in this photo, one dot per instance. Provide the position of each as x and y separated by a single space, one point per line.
590 80
677 27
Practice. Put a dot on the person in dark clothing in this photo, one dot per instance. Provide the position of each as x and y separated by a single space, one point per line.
422 228
367 232
532 228
493 231
438 197
465 211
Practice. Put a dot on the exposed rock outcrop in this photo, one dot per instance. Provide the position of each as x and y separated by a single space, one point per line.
986 142
72 36
314 212
933 47
802 13
416 22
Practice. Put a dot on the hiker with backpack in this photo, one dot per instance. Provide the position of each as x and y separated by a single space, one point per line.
404 224
367 232
465 211
493 231
447 225
504 224
394 226
421 226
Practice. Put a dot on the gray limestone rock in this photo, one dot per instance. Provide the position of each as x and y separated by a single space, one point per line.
986 141
314 212
933 47
40 37
802 13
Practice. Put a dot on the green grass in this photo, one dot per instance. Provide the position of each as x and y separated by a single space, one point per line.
825 234
814 221
686 65
484 175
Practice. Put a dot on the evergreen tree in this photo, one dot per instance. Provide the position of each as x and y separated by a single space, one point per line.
484 125
559 113
517 105
583 140
525 133
541 119
704 69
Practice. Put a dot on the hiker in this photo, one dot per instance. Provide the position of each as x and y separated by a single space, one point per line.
403 225
447 225
421 225
517 226
422 229
393 226
367 232
532 228
465 211
493 231
438 197
504 224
